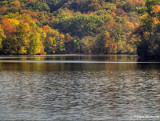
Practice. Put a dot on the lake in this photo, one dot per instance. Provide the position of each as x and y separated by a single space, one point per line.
78 87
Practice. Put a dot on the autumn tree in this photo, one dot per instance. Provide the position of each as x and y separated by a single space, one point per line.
22 35
2 36
54 41
148 31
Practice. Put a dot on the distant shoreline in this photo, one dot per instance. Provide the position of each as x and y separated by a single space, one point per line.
77 55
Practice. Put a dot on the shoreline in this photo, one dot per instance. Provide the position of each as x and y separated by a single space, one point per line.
77 55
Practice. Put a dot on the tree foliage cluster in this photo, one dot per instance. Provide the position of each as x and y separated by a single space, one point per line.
75 26
148 31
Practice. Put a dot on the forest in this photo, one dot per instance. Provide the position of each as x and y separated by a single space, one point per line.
80 26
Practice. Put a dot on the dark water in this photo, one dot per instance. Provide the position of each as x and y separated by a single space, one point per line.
78 88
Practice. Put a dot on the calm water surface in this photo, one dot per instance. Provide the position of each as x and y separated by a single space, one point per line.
78 88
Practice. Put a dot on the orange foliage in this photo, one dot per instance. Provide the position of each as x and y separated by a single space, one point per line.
155 21
136 25
8 26
16 3
68 37
141 2
3 10
34 15
129 25
46 27
112 46
156 9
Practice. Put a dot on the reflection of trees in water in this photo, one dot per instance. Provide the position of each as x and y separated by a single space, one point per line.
82 90
149 66
120 67
47 67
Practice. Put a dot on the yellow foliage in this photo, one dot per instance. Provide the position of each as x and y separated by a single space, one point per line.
62 36
2 35
155 21
14 21
23 50
130 25
107 35
143 17
121 44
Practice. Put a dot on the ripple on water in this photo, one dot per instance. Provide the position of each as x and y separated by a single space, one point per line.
93 95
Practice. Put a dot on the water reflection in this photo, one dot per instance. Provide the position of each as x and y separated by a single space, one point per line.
79 91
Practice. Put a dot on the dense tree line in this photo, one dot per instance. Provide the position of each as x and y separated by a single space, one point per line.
148 31
78 26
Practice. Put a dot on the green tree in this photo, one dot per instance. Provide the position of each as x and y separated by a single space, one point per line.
148 31
2 36
81 25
